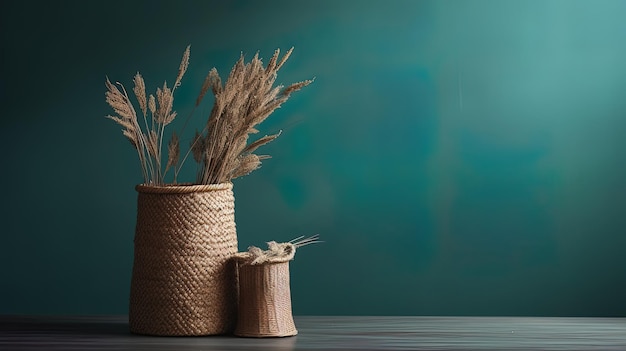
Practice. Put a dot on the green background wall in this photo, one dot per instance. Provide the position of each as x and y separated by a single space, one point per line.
458 157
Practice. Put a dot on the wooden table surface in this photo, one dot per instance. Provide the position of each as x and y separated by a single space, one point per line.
329 333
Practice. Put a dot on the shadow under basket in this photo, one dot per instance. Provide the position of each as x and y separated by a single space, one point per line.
184 281
264 300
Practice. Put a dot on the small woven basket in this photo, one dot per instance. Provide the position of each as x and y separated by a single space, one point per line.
184 280
264 299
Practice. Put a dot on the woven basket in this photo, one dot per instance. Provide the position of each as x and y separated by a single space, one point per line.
264 300
184 280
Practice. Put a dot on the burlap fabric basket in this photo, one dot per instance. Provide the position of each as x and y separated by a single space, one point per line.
184 280
265 295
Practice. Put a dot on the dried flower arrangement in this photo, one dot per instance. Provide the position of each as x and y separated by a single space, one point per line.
222 149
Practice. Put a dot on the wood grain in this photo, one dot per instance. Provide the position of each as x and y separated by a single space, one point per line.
329 333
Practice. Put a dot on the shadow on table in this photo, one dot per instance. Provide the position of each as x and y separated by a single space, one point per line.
113 333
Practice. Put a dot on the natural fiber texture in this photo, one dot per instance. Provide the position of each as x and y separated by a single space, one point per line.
184 281
265 301
276 253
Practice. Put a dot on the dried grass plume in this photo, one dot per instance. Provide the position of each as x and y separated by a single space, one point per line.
222 148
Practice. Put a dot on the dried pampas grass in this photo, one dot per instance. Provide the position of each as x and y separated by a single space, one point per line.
245 100
222 149
157 113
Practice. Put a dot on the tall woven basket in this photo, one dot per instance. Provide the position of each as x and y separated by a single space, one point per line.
183 280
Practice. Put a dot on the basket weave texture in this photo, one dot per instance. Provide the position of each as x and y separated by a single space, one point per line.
184 280
264 300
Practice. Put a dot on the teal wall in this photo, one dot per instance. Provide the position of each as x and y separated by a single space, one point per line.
458 157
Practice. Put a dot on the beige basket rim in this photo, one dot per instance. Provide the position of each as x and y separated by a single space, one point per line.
182 188
246 258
